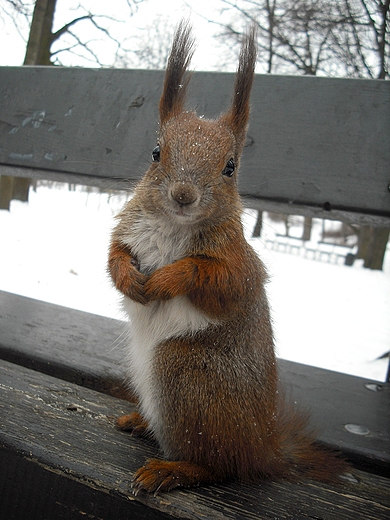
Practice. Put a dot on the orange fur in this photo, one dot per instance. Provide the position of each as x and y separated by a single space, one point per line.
133 422
209 385
126 276
165 475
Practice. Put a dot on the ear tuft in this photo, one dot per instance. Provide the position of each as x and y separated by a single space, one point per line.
176 75
238 115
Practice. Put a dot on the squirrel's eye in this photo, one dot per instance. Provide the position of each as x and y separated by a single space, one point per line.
229 168
156 153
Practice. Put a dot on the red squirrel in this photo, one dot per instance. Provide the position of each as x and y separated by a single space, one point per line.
201 356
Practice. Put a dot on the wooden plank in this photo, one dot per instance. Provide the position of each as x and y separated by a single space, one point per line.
83 348
67 433
99 122
313 142
286 208
352 414
34 490
72 345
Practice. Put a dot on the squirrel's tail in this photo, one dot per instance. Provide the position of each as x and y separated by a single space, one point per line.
303 455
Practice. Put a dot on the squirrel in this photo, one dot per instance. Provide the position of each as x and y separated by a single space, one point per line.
201 358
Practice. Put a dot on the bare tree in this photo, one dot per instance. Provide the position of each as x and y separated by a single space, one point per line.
303 35
77 38
363 46
262 13
16 12
150 49
294 36
40 51
330 37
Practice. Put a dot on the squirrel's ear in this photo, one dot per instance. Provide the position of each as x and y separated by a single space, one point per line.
176 76
238 115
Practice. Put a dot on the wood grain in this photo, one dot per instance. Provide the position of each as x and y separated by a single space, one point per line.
66 432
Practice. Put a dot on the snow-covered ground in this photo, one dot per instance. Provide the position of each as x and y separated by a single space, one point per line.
54 249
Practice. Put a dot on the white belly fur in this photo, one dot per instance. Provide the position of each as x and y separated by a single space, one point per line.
149 326
156 244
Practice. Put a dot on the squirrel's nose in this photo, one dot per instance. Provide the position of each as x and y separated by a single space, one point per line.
184 194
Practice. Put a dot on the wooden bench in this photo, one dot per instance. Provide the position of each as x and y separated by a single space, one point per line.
317 147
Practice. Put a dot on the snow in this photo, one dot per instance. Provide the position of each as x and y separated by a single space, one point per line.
328 315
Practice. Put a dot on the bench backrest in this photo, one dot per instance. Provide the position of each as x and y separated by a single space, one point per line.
316 146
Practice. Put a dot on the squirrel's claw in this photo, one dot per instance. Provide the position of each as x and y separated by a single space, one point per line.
162 475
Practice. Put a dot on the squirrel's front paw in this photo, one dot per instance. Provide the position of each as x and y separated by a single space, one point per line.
159 286
171 280
132 284
124 271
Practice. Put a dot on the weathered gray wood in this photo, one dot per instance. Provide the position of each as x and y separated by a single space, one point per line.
347 216
67 432
76 346
313 142
83 348
337 400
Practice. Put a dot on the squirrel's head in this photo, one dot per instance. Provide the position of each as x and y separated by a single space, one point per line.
193 175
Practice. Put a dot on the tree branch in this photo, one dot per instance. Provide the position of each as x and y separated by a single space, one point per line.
65 28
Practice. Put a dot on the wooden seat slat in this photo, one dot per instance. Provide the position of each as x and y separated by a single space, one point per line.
58 439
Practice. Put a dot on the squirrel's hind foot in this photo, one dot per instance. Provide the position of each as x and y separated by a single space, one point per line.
162 475
134 423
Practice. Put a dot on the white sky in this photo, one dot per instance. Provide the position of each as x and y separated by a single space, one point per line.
207 56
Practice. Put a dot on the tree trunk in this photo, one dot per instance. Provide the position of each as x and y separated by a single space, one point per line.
21 188
40 38
258 225
287 224
6 187
363 241
377 248
307 224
